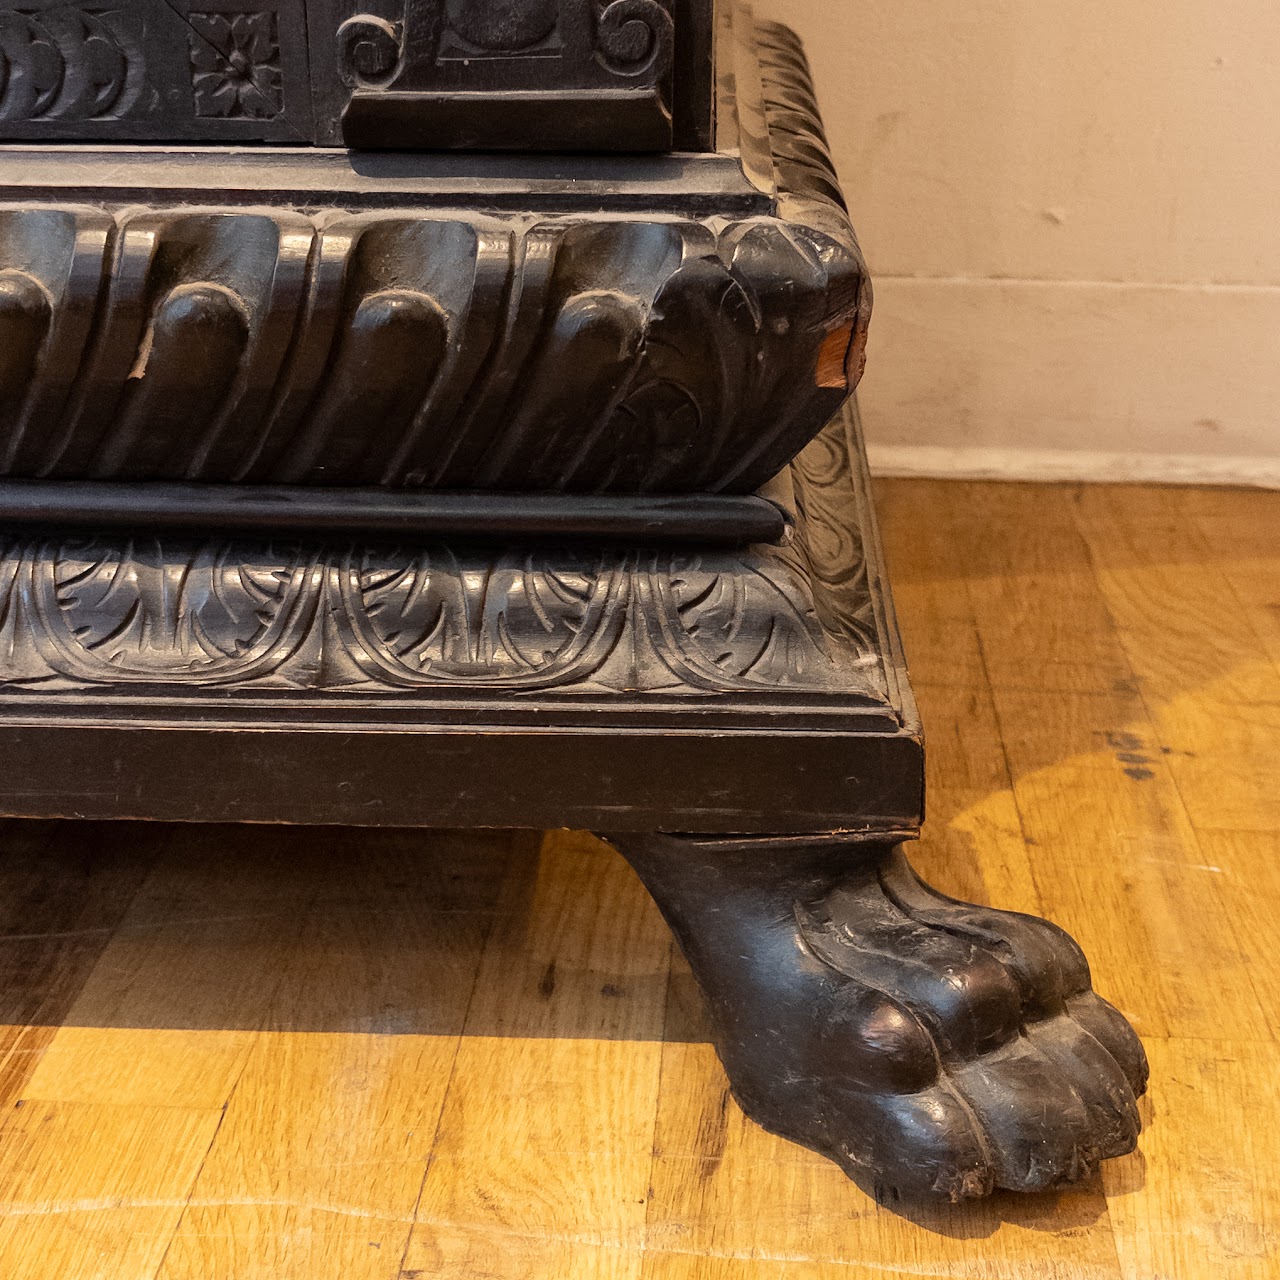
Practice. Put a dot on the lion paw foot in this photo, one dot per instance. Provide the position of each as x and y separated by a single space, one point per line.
965 1049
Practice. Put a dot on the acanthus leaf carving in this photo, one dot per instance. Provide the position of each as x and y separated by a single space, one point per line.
206 614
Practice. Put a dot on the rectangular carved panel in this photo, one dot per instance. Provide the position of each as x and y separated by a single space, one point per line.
155 70
406 74
510 74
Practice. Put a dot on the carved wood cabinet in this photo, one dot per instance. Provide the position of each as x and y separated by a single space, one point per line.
437 413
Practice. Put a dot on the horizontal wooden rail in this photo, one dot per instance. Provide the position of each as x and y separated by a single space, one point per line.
92 505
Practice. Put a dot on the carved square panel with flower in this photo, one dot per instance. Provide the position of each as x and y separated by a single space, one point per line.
155 71
235 65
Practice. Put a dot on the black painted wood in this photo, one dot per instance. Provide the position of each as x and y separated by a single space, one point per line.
525 74
442 682
240 391
98 506
471 776
930 1047
583 350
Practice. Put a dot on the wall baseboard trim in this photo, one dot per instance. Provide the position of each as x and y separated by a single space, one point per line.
1071 466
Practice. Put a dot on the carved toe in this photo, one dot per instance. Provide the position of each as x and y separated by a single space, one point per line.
910 1146
1028 1080
1038 1130
1097 1079
1111 1029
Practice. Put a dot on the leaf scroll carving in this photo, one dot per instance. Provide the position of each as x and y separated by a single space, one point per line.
175 614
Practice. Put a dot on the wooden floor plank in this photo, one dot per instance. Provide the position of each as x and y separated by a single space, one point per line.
319 1162
1202 1201
64 890
1249 862
1245 550
1205 671
928 568
1119 865
542 1164
973 845
92 1191
170 1011
1043 621
248 1054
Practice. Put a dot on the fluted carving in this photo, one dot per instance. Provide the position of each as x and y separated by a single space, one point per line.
456 352
603 353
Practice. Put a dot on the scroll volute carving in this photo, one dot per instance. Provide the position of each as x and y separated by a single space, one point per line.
636 37
369 49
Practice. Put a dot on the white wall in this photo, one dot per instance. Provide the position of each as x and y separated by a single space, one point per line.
1072 212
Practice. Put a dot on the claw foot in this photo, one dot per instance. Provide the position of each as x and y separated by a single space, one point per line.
929 1046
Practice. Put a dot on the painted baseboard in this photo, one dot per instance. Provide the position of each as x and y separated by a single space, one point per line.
1071 465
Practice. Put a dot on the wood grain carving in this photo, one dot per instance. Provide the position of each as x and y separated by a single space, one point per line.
581 354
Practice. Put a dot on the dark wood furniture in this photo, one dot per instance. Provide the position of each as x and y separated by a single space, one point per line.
440 472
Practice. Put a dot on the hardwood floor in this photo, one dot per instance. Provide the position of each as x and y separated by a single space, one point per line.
247 1054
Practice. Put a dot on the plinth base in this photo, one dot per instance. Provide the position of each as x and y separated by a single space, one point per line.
930 1047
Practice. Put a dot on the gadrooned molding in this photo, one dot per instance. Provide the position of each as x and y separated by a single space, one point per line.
578 352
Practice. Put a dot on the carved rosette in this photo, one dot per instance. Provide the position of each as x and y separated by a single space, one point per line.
235 64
